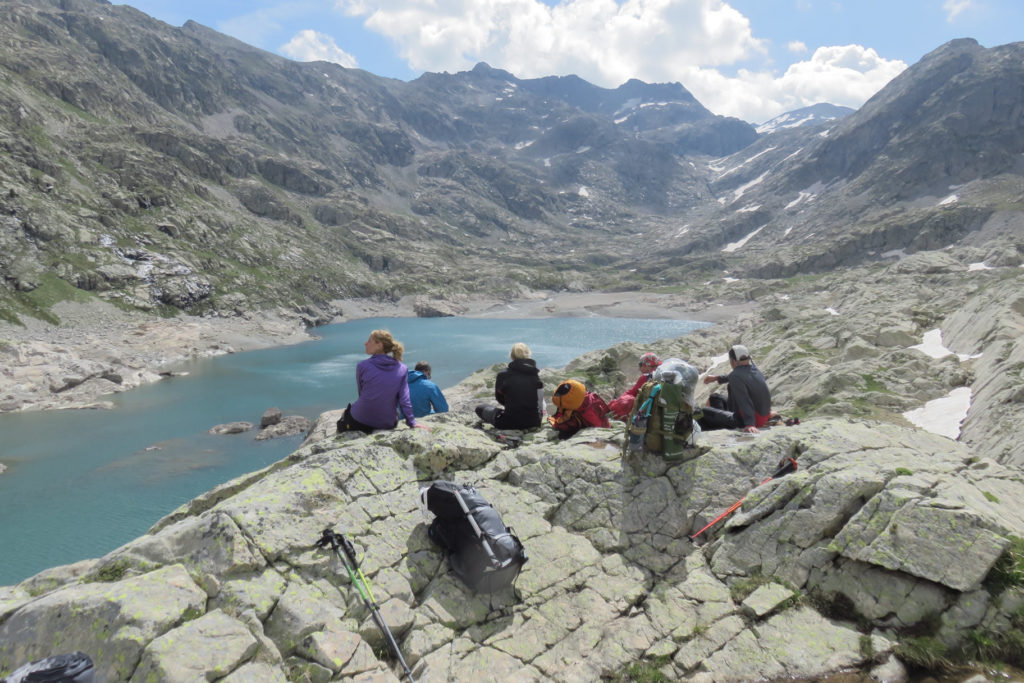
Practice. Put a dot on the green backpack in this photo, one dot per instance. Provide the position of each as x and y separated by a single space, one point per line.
664 419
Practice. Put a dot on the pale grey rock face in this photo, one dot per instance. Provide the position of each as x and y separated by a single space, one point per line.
231 428
116 619
435 308
231 585
211 646
286 426
271 416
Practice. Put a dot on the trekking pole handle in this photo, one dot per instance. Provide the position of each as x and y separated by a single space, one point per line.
327 538
338 542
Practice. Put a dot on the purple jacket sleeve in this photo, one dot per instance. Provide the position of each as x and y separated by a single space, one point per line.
405 404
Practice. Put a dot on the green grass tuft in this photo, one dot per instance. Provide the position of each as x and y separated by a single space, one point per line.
741 590
992 648
1008 571
924 652
644 671
867 647
109 574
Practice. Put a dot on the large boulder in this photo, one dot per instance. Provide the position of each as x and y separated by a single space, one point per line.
290 425
111 621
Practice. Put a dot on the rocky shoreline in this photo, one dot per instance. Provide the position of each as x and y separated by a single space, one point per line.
99 349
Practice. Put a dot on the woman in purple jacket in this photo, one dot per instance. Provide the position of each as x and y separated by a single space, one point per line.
382 385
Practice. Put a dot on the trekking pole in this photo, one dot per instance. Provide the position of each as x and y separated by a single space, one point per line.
785 467
344 550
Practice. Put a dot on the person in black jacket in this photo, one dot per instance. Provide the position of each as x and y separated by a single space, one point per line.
519 391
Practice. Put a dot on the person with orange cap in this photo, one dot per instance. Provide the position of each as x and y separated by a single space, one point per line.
576 408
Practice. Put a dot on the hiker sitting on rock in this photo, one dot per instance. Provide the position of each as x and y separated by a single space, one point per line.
749 405
623 405
426 397
577 408
381 381
519 391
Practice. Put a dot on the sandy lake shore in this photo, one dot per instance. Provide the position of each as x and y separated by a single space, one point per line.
98 349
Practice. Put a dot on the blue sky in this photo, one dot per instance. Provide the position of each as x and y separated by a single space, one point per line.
753 59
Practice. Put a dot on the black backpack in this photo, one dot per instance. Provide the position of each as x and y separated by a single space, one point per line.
481 550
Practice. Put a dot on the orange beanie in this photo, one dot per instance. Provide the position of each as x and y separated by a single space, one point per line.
569 395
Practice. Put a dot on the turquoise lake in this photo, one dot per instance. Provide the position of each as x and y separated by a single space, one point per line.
81 483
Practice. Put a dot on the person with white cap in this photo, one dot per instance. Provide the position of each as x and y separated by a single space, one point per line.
749 405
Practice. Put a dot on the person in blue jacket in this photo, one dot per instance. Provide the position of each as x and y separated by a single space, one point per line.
425 395
382 383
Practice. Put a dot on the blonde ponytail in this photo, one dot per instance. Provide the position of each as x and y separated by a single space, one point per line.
392 346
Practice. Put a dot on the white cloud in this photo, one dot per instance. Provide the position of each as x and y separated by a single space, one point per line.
796 46
846 75
955 7
312 46
608 42
600 40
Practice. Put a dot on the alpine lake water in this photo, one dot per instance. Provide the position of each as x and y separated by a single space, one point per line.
80 483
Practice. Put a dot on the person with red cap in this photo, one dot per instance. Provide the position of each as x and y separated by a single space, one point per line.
623 405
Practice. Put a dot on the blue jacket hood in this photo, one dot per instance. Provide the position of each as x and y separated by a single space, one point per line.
416 376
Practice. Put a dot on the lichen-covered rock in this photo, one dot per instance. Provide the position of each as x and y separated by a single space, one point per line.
874 518
111 622
787 645
209 647
767 598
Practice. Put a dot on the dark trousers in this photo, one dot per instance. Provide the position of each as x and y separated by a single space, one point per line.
347 423
488 413
716 415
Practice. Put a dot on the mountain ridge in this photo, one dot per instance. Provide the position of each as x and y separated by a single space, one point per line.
240 180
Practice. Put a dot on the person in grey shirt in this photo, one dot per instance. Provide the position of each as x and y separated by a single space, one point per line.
749 403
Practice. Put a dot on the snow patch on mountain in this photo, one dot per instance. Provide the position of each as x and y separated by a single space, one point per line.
742 163
738 192
734 246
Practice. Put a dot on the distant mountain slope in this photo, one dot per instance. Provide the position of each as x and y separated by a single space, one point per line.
932 159
179 169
